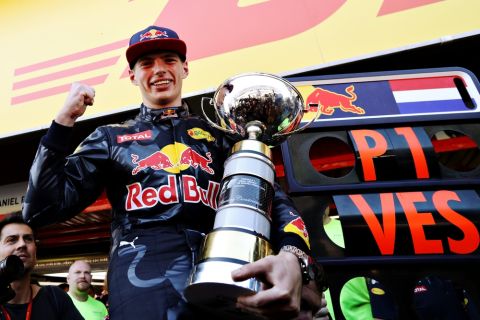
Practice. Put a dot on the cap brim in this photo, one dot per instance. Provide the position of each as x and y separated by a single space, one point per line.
145 47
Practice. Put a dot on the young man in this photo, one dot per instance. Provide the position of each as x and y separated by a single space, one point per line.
162 183
79 282
30 301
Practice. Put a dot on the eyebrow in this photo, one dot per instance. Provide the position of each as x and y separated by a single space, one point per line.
17 235
165 54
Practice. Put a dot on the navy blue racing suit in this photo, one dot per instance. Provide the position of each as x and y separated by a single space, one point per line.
161 172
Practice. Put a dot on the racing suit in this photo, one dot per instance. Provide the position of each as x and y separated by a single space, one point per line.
161 172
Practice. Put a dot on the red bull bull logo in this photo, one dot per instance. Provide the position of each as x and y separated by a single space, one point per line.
153 34
173 158
156 161
192 158
298 227
328 101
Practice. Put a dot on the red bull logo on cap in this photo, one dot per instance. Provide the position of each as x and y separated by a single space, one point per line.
298 227
173 158
153 34
328 101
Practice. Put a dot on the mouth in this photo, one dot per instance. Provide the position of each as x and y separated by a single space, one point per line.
160 83
23 257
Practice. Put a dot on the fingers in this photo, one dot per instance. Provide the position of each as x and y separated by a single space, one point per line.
280 297
251 270
277 309
88 99
88 95
264 297
81 94
322 314
79 97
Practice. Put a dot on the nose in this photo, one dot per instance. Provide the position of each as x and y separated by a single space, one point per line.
21 243
158 66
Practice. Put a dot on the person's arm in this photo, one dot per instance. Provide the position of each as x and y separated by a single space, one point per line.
59 186
281 273
67 311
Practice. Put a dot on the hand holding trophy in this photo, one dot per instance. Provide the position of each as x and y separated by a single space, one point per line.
258 110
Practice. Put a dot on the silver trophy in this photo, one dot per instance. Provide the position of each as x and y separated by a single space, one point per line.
258 110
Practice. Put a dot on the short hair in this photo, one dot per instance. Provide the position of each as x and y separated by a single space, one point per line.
15 217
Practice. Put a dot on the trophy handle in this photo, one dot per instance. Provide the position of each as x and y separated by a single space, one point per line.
279 134
213 124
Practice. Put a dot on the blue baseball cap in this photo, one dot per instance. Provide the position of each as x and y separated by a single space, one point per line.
153 39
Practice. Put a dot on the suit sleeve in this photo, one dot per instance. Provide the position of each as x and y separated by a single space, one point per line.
61 186
288 227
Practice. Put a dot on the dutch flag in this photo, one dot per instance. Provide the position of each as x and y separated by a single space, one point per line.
429 95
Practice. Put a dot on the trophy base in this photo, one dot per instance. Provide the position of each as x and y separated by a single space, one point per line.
212 287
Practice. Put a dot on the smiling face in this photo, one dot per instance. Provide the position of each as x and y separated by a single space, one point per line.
160 77
18 239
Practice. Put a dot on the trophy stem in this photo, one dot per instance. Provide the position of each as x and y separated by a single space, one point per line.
255 129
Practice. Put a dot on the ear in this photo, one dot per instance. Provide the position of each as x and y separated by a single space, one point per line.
185 70
131 75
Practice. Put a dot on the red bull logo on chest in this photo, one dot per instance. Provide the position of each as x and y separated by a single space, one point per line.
173 158
139 197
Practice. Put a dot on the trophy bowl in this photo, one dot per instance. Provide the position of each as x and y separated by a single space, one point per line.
265 101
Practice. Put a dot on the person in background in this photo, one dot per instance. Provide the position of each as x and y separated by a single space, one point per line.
103 296
30 300
360 297
80 281
63 286
367 298
436 297
162 173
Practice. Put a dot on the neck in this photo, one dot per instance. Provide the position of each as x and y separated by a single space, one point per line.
326 219
163 107
23 291
79 295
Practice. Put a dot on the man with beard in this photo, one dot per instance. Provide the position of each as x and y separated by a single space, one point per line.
80 280
31 301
